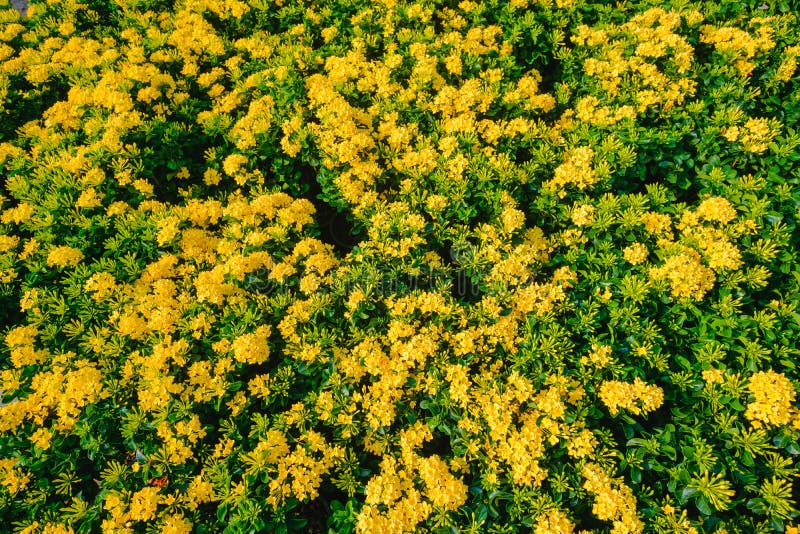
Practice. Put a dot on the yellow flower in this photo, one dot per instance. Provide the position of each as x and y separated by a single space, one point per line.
512 219
253 348
453 63
329 33
237 404
144 504
635 254
100 284
576 169
144 187
212 176
638 397
459 384
176 524
41 438
599 356
614 501
713 376
687 276
198 492
757 135
12 477
581 445
64 256
717 209
19 214
553 522
8 242
774 396
21 335
259 386
233 163
442 488
656 223
89 198
583 214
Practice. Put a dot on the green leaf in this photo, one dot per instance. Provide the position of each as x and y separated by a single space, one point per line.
703 506
687 493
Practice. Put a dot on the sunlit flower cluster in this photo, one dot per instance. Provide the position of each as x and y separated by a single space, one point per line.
637 397
773 399
398 266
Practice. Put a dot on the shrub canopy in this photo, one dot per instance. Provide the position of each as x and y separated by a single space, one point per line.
385 266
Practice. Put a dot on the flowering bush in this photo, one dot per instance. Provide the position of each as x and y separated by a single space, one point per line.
560 293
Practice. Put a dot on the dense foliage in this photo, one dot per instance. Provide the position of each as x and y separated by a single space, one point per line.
382 266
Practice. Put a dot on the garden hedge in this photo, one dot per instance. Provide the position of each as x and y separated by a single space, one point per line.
385 266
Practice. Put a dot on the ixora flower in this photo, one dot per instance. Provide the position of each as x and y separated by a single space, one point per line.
637 397
635 253
576 169
620 185
717 209
687 276
773 399
64 256
614 501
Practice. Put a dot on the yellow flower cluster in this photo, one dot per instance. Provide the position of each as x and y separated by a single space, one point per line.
713 376
58 392
583 215
657 223
576 170
687 276
553 522
740 45
716 209
142 506
252 348
100 285
599 356
299 473
581 445
754 135
394 491
64 256
635 253
47 528
590 111
652 37
613 500
704 247
773 399
12 477
788 65
637 397
165 241
20 342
